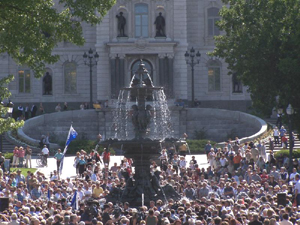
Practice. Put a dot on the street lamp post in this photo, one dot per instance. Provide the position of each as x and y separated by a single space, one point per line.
290 112
91 60
190 60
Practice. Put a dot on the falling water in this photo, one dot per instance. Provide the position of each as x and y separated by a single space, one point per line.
160 125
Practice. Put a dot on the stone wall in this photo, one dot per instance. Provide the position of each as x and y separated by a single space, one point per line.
217 124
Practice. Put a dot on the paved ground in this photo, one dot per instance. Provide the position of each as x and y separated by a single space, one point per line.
69 170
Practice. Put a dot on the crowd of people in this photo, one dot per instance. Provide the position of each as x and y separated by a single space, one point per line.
241 185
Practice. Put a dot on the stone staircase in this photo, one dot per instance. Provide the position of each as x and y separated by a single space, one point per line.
272 122
6 145
9 142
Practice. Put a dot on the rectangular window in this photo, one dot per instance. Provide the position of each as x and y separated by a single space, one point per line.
213 30
141 20
70 78
24 81
214 79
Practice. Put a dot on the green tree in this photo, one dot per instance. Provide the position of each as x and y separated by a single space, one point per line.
31 29
261 43
6 123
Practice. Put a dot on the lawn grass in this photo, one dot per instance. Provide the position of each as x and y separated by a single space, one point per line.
23 170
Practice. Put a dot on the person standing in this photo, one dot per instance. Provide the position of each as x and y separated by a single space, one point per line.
45 153
276 135
58 108
26 112
207 149
65 106
106 156
58 156
21 156
28 153
20 111
271 144
15 157
282 132
2 160
82 165
297 188
33 110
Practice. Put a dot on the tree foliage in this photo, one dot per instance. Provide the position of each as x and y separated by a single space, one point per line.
29 30
261 43
6 123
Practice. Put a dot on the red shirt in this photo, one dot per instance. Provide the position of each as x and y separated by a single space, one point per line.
264 178
16 152
21 153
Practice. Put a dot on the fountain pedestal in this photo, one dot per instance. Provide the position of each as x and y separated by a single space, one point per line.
143 182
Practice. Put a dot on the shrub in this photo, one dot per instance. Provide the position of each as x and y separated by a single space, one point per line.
9 155
86 145
200 134
286 152
197 146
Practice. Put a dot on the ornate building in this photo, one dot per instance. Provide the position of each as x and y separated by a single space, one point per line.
157 31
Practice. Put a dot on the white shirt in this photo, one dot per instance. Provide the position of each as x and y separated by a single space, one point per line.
45 151
297 186
223 161
182 163
292 177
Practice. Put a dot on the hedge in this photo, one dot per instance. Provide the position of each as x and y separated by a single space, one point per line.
86 145
286 152
197 146
9 155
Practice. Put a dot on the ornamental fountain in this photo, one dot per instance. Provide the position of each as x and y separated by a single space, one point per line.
142 126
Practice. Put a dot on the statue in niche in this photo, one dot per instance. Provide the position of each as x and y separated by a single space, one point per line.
121 24
160 25
47 82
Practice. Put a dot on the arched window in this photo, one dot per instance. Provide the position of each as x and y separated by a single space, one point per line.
47 82
70 74
214 78
237 86
213 17
141 20
148 66
24 80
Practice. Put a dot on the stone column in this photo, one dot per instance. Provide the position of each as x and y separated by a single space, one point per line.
117 73
180 35
166 73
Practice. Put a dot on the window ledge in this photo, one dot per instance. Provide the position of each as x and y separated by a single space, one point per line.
214 92
24 95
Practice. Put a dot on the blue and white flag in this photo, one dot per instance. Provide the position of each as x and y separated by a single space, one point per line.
71 136
74 202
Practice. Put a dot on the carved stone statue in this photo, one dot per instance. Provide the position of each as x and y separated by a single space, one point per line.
47 82
160 25
121 24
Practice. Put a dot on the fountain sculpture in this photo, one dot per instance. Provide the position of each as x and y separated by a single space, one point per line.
142 139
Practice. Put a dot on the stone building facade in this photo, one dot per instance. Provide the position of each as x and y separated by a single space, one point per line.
188 23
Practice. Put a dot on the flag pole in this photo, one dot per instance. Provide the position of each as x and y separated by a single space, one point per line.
71 136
